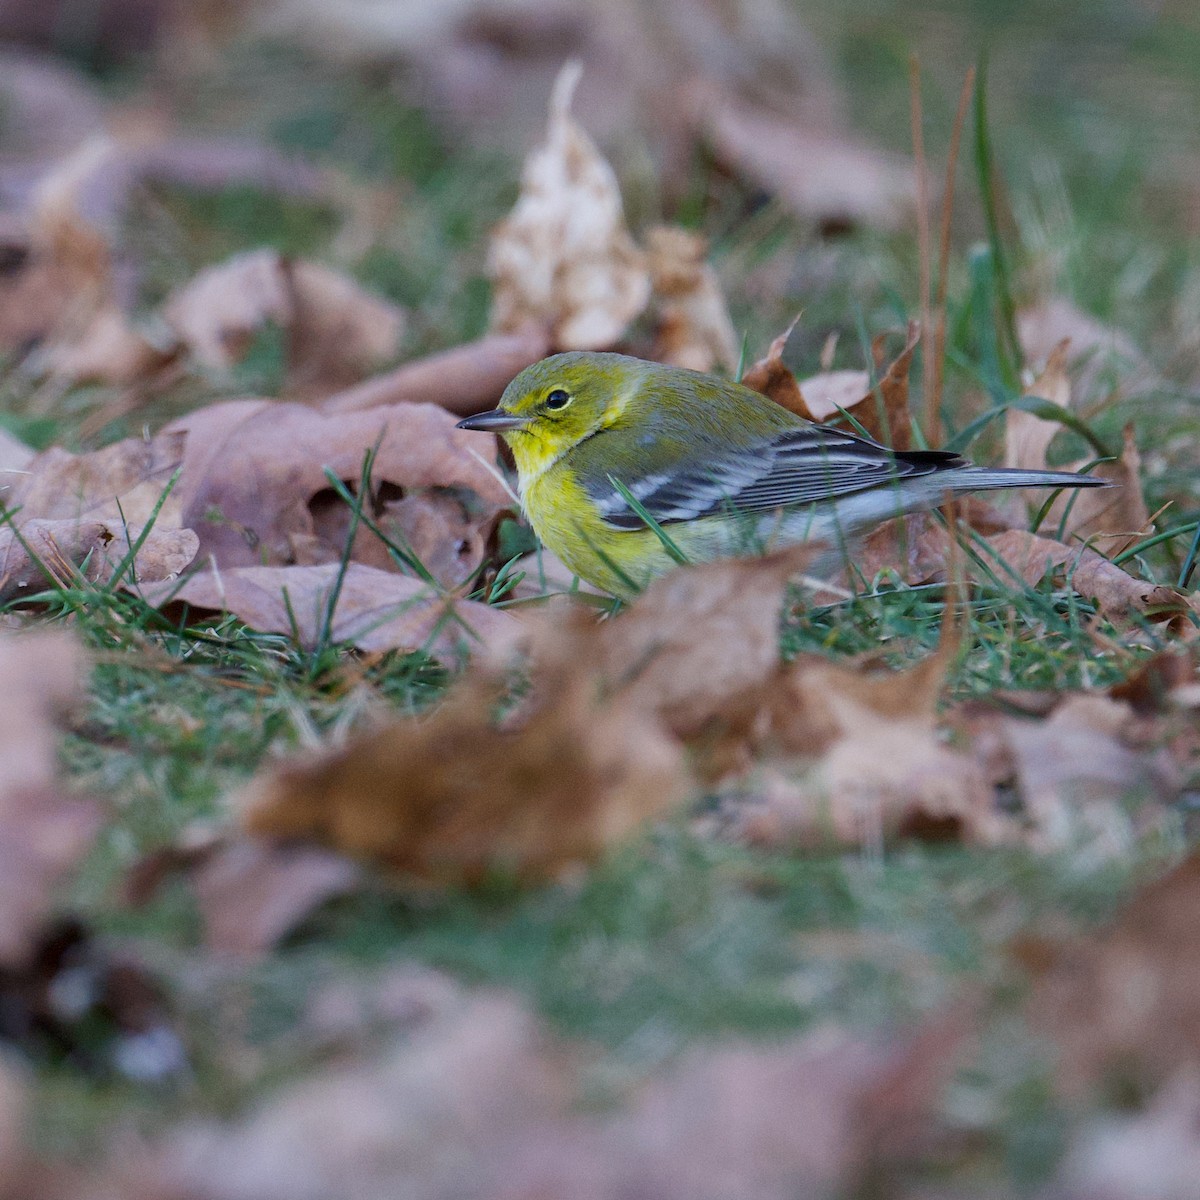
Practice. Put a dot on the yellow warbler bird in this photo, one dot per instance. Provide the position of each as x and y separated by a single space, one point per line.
604 441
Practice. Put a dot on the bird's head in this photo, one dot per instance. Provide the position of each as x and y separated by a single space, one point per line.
554 404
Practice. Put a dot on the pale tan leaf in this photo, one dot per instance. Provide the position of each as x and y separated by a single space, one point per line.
830 391
1101 357
1027 437
695 329
563 259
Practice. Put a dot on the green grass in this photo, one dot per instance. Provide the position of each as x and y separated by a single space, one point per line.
676 937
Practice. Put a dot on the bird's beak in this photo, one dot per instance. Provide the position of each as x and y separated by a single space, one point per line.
495 421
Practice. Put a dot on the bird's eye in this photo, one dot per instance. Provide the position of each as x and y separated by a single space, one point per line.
557 399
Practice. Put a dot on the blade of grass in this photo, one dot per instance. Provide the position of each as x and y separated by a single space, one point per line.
667 542
323 638
1189 563
986 170
1047 410
128 560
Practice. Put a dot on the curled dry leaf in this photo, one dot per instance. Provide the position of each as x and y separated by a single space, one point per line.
563 259
1027 437
43 832
375 610
1116 593
451 797
255 490
774 378
110 351
337 332
883 410
695 329
45 553
123 481
86 511
252 894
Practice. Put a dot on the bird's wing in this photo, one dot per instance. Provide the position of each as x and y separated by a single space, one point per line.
795 467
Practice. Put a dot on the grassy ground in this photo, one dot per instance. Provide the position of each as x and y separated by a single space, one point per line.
675 937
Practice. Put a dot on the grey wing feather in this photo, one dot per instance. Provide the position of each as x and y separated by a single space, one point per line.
800 466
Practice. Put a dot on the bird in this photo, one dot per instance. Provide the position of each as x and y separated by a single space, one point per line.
626 467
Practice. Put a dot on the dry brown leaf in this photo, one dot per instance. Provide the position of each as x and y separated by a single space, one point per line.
563 259
695 329
337 332
1117 594
123 481
376 610
450 797
252 894
775 380
916 547
700 647
58 274
1110 519
830 178
43 832
86 511
881 769
255 490
1102 358
42 553
464 380
883 412
1123 1006
109 351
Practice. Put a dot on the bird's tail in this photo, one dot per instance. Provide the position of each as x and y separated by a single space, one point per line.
985 479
